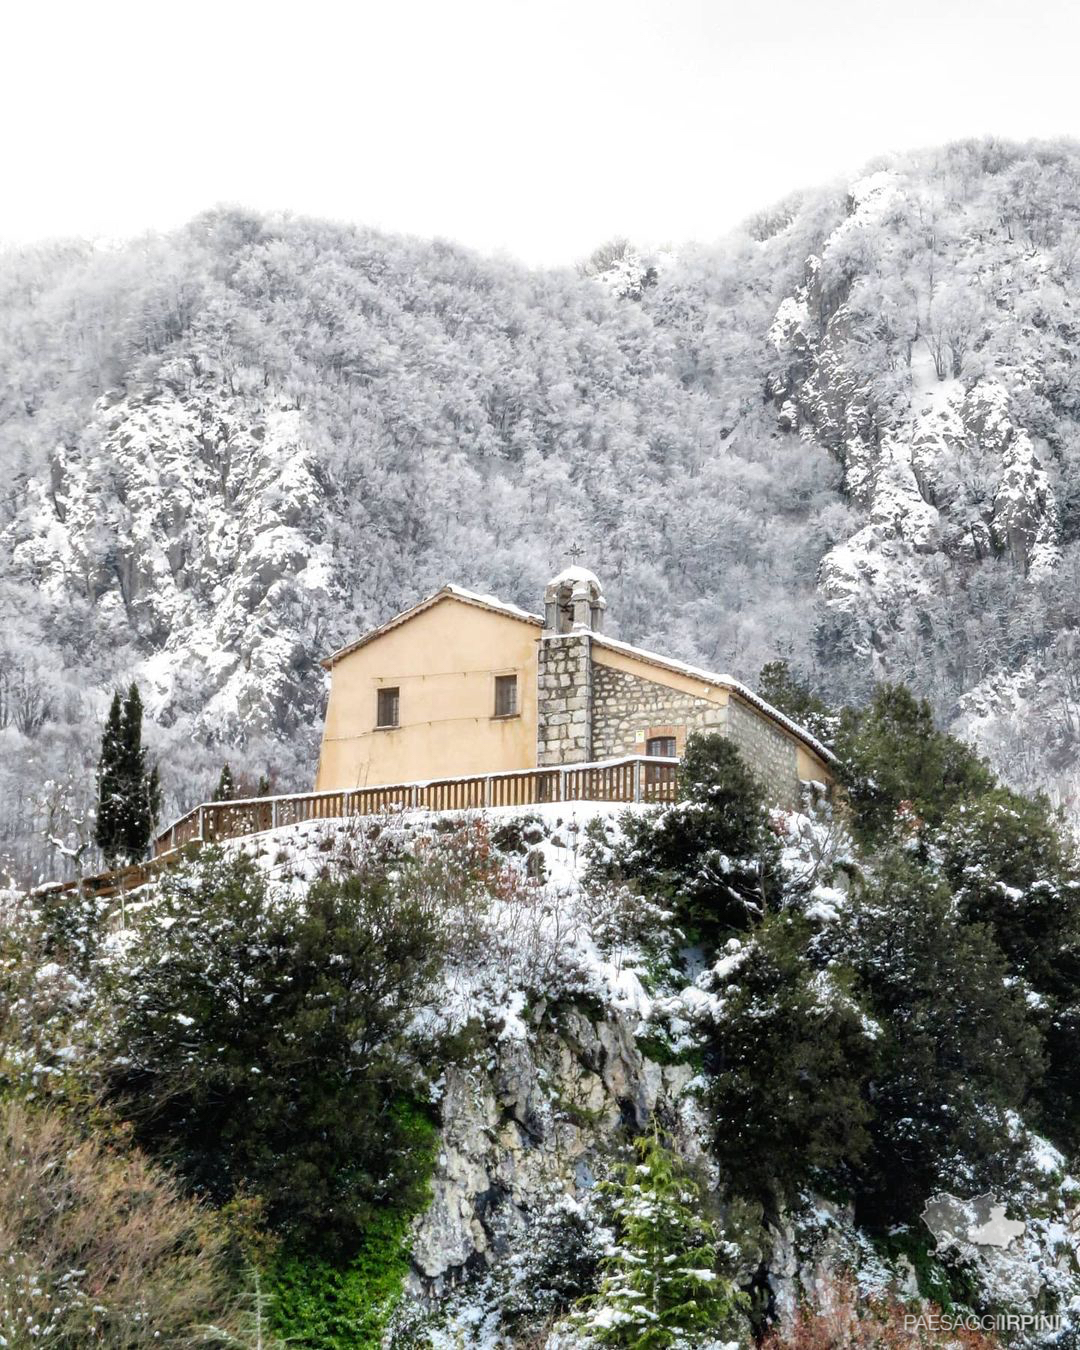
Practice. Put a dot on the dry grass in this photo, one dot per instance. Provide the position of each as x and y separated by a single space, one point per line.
97 1246
841 1320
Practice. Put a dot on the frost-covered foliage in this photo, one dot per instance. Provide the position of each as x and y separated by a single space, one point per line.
662 1281
228 450
568 1240
847 437
902 1020
867 1038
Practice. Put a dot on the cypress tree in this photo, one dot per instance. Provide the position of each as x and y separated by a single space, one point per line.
226 787
139 814
153 793
109 832
129 795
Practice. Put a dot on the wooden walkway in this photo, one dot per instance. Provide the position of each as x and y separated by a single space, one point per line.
104 885
637 778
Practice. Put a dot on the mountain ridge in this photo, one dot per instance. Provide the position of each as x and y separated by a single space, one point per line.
846 437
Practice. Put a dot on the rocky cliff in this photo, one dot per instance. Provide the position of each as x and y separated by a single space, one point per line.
846 436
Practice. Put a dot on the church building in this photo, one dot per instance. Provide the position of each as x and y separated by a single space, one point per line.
464 684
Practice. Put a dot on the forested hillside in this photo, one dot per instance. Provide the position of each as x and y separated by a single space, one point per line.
846 436
693 1076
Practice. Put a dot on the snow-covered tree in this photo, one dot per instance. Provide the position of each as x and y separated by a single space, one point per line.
666 1280
712 853
226 790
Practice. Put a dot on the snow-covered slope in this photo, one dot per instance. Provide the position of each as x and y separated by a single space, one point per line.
848 436
582 1033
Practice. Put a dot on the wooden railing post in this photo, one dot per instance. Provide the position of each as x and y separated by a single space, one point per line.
630 778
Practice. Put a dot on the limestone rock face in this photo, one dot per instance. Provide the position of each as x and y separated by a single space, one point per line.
533 1117
199 524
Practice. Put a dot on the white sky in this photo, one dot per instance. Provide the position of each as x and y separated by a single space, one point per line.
540 128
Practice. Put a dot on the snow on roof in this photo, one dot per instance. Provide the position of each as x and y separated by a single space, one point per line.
492 602
654 658
446 592
574 573
727 681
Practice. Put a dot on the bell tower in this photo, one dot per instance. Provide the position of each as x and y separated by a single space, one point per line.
574 602
574 607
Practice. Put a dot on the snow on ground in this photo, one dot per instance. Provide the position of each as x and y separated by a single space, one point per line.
542 935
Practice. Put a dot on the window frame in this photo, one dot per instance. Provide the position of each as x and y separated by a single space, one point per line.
382 692
673 741
497 681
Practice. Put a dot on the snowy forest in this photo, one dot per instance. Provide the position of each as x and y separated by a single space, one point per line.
847 437
704 1074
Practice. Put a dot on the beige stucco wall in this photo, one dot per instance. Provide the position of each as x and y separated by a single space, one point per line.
812 768
444 660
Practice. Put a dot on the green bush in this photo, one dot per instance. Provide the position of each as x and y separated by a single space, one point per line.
898 771
260 1044
1011 867
789 1056
319 1304
960 1053
712 853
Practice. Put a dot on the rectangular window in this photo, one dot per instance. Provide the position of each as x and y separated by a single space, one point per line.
389 706
505 695
661 745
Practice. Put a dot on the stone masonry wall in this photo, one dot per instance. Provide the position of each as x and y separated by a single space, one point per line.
770 754
626 706
563 700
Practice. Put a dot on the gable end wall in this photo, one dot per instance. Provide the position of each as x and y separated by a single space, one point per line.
625 705
772 755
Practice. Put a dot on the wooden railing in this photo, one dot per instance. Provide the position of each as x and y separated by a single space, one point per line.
637 778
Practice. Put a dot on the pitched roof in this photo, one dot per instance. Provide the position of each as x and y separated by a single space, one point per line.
491 602
446 592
